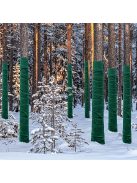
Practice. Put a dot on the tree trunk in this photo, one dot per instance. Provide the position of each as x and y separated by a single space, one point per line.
105 60
131 76
24 86
5 76
11 74
120 72
136 74
45 56
70 95
126 87
36 61
50 59
86 72
98 88
112 80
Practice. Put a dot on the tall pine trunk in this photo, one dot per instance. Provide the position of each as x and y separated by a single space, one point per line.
45 55
105 60
5 77
98 88
24 87
131 76
136 73
70 95
36 61
86 73
11 74
112 80
126 87
120 72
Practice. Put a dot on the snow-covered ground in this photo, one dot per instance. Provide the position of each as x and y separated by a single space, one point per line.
114 148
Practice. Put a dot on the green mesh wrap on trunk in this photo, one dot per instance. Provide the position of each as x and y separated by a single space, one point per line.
24 101
126 105
112 99
5 90
98 103
86 90
70 95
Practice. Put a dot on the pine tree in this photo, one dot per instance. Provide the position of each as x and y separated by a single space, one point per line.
136 73
70 95
5 78
43 138
10 49
77 63
50 107
24 88
126 87
120 72
86 72
98 88
45 54
112 80
105 60
36 60
74 138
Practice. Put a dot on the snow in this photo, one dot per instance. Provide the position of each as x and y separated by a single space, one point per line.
114 148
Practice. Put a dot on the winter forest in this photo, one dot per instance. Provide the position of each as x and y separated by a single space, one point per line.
68 91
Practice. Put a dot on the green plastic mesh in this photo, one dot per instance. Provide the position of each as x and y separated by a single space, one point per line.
98 103
86 91
70 95
126 105
112 99
24 101
5 90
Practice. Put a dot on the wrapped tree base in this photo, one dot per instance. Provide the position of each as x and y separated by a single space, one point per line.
98 103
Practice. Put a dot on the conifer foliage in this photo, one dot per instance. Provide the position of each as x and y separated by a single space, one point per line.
50 109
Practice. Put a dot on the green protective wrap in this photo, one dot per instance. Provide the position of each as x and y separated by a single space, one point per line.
126 105
98 103
24 101
86 90
70 95
5 90
112 99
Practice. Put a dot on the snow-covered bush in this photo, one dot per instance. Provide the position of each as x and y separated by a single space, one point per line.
8 127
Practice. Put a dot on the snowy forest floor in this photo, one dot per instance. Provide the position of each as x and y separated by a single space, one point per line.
114 148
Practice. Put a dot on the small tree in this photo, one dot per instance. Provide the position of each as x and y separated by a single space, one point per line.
50 108
74 138
43 139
